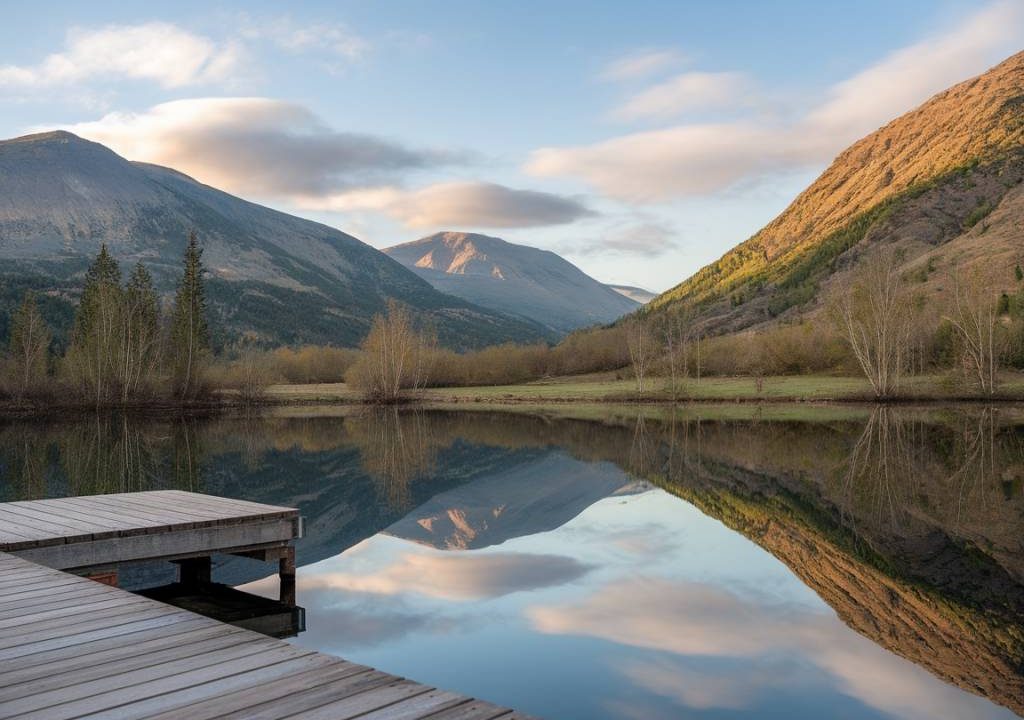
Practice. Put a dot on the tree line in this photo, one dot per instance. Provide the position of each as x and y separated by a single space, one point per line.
123 349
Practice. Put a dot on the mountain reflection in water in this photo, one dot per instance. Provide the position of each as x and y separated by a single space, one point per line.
720 562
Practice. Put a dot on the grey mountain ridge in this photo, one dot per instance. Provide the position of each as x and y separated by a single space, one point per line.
273 277
515 279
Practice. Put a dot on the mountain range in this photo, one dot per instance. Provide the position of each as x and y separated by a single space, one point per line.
518 280
273 277
941 185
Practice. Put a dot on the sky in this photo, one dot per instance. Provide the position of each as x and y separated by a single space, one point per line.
639 140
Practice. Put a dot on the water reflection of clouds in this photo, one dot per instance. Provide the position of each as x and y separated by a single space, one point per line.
641 541
657 609
692 622
697 686
684 618
370 623
456 577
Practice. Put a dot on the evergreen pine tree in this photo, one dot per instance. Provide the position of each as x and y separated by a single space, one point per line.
190 336
1018 273
29 345
102 276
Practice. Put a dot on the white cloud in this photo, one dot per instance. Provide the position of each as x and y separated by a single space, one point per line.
156 51
259 146
697 159
459 205
662 164
277 150
333 38
644 239
688 92
641 64
911 75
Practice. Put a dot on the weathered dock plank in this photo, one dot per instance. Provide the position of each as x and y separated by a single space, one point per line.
70 533
73 648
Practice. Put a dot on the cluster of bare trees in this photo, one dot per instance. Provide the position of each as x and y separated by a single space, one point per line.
887 329
671 340
640 343
881 320
397 356
876 314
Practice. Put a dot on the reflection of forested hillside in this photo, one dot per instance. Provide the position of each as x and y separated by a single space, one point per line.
909 523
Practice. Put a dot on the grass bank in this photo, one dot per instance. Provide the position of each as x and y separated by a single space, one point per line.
608 389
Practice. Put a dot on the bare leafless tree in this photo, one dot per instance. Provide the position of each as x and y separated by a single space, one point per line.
641 349
30 342
875 313
397 356
674 329
974 318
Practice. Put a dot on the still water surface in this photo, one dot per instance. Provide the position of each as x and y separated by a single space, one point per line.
719 563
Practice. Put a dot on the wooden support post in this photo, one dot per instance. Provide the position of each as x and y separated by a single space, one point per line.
195 571
286 573
105 578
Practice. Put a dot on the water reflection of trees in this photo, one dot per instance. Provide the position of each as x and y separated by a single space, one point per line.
23 462
880 475
396 448
99 454
905 474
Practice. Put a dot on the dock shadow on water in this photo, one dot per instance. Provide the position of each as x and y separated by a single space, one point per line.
614 563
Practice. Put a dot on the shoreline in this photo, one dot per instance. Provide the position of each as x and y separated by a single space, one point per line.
778 390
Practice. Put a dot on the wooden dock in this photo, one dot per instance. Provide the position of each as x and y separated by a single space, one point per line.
68 533
72 648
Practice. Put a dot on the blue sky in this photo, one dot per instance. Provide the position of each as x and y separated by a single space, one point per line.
640 140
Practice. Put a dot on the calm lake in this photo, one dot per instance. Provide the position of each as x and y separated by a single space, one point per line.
578 562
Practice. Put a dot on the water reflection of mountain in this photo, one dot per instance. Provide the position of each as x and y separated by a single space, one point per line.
912 547
535 496
910 524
